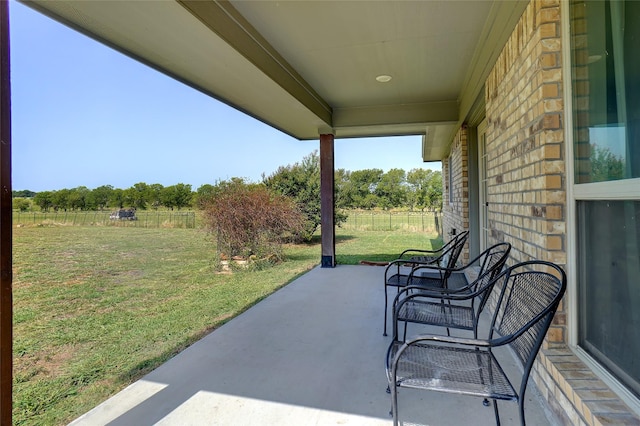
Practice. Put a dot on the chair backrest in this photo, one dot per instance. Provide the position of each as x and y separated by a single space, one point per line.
529 296
449 258
492 261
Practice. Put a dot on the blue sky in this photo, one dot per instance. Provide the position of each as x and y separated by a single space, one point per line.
86 115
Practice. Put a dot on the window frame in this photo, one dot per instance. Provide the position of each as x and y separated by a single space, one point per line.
624 189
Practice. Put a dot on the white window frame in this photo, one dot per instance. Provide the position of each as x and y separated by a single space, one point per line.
624 189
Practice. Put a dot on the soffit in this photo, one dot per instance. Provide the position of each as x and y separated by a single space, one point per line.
308 67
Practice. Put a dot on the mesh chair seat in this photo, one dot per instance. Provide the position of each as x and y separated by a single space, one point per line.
434 313
452 369
398 280
456 280
427 281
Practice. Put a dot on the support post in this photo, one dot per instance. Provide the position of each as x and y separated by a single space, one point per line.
327 202
6 276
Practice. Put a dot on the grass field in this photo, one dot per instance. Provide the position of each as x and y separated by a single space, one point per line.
95 308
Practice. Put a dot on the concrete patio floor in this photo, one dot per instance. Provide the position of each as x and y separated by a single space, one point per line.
310 354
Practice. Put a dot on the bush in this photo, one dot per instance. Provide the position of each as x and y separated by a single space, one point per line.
21 204
249 220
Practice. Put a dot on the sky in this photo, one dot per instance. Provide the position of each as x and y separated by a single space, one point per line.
86 115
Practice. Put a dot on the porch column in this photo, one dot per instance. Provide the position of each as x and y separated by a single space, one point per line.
327 204
6 298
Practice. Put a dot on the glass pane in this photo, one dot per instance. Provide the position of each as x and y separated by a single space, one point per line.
609 286
606 79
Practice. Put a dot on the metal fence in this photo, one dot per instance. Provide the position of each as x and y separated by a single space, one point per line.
144 219
430 222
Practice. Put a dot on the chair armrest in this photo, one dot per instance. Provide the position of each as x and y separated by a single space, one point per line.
411 250
398 263
442 293
464 341
442 269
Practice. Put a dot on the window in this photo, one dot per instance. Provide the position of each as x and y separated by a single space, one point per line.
606 140
606 88
609 289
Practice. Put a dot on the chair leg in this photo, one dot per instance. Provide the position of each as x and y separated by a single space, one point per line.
385 311
495 410
394 405
521 408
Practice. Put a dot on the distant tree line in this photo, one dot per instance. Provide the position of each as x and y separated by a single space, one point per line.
140 196
418 189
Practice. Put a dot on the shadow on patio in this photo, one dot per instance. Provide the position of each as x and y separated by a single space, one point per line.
310 354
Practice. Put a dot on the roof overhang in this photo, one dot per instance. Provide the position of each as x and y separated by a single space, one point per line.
310 67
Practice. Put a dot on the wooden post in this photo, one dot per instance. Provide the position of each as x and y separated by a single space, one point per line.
327 204
6 276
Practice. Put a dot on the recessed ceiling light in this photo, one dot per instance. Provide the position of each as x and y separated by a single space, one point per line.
383 78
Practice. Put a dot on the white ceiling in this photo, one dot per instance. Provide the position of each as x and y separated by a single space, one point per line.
309 67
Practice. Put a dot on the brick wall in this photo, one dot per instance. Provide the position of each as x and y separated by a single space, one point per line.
525 140
456 208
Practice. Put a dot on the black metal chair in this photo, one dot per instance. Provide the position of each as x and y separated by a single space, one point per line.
529 294
432 256
399 273
457 308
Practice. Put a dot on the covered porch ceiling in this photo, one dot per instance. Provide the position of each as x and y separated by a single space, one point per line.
309 67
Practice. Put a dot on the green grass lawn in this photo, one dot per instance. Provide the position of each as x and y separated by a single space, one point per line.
95 308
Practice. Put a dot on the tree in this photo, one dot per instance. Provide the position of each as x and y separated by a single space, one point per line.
25 193
138 195
203 195
44 200
248 219
434 191
101 196
60 199
301 182
155 195
391 189
177 196
118 198
363 188
417 180
77 198
344 193
605 165
425 189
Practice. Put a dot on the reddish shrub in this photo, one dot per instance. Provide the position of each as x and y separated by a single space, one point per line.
248 220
